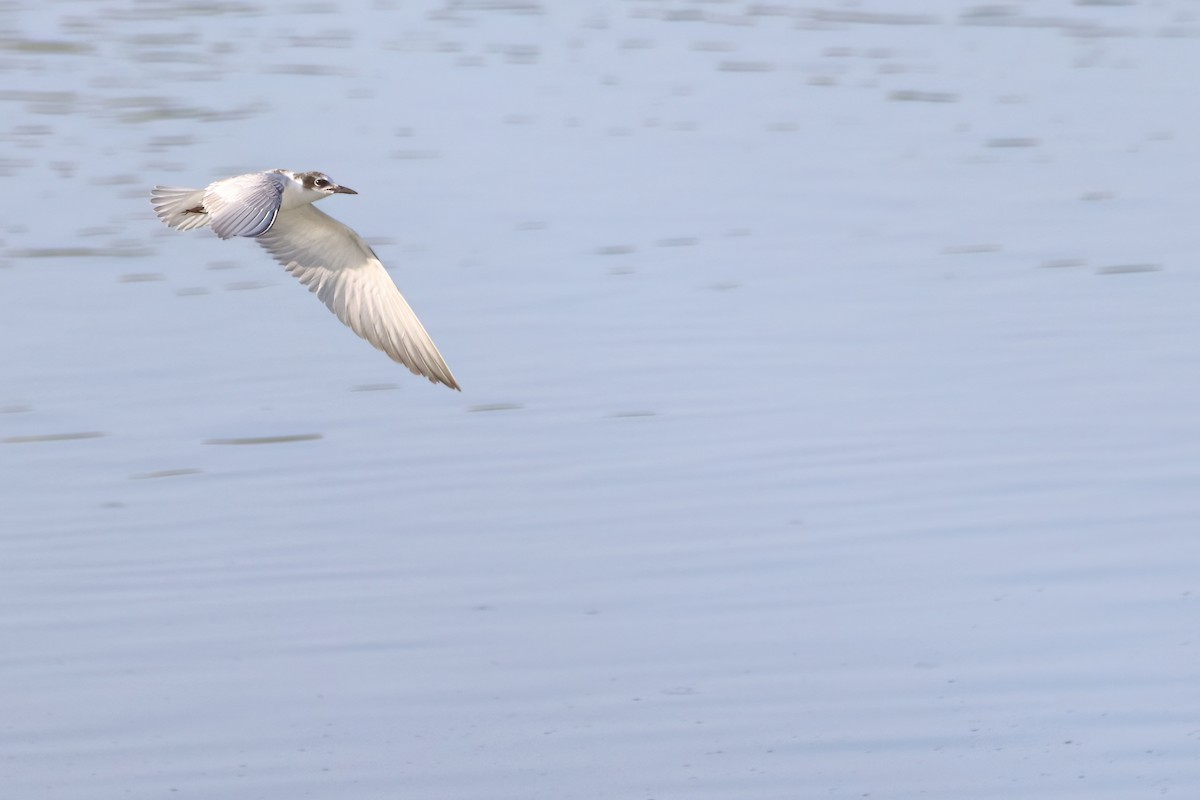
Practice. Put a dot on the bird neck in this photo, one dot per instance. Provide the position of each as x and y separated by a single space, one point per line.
295 194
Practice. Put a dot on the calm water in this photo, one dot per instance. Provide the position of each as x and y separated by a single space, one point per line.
828 429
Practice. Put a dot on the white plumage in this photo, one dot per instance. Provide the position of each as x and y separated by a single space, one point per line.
275 208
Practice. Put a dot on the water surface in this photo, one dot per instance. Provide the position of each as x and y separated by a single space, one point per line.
828 428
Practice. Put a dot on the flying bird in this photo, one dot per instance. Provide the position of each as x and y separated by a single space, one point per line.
275 208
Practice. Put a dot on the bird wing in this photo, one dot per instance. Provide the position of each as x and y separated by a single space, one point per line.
340 268
244 205
182 209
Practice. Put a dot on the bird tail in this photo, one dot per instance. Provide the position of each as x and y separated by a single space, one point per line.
182 209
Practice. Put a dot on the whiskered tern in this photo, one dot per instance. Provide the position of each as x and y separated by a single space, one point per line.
275 208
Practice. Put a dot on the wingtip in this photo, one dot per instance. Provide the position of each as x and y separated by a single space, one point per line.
445 380
175 207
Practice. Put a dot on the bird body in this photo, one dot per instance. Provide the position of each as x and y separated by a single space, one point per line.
275 208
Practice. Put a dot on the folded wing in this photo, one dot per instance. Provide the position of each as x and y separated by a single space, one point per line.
341 269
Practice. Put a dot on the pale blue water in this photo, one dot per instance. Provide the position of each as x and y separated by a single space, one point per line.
829 417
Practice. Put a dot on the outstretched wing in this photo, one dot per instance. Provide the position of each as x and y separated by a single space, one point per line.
245 205
182 209
341 269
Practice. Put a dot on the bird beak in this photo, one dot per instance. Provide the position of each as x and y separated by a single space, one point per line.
343 190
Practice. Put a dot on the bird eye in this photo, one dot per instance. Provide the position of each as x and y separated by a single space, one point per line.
320 182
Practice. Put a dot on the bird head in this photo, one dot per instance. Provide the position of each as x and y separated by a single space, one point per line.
320 183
